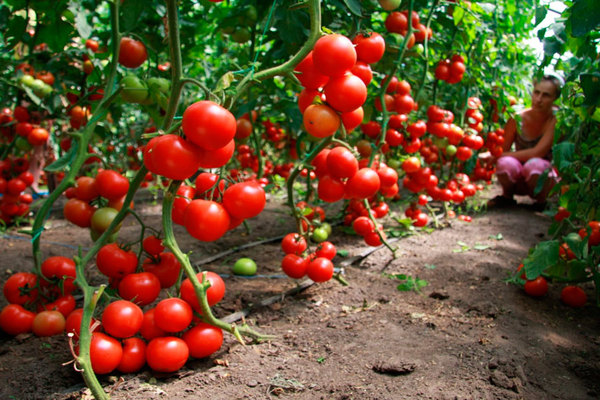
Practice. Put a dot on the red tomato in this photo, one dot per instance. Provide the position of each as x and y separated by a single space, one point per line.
326 250
244 200
206 220
214 293
334 55
172 157
152 245
92 44
149 330
345 93
183 197
216 158
85 188
206 183
48 323
141 288
363 225
173 315
64 304
420 220
14 319
363 71
111 185
320 120
320 269
122 319
294 266
364 184
208 125
73 322
537 287
61 269
370 47
330 190
573 296
396 22
203 340
105 353
132 53
308 75
115 262
167 354
387 176
78 212
165 267
134 355
341 163
21 288
293 243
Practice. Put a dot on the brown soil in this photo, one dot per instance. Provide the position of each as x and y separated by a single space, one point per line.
466 335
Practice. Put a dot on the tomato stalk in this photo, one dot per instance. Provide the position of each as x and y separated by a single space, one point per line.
426 50
379 233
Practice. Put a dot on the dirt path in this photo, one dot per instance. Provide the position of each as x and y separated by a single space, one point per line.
466 335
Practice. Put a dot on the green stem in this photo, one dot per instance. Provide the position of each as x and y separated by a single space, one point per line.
314 10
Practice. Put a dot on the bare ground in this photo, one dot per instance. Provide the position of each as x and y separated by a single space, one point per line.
466 335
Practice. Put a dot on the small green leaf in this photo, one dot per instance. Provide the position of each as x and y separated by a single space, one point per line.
590 83
544 255
496 237
56 34
354 7
585 16
562 154
481 246
63 161
430 266
540 14
225 81
343 253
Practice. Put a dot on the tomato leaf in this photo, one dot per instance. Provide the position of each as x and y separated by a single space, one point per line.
56 34
590 83
540 14
585 16
342 253
577 269
562 154
541 257
15 31
354 7
81 24
63 161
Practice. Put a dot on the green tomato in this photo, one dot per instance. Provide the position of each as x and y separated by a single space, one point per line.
26 80
159 90
450 150
244 266
241 35
134 89
251 15
38 86
327 227
319 235
21 143
389 5
440 142
46 90
394 163
102 218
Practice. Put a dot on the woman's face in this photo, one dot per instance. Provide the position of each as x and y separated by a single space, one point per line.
543 96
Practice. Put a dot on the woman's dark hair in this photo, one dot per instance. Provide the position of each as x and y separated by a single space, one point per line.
556 81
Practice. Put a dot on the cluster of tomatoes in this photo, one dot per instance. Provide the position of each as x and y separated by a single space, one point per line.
337 72
298 262
28 130
14 179
95 201
40 83
212 208
451 70
397 22
40 304
494 142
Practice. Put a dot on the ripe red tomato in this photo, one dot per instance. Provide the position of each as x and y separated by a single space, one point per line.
320 269
330 190
115 262
105 353
206 183
244 200
73 322
363 71
149 330
92 44
206 220
48 323
364 184
61 270
420 220
345 93
122 319
78 212
463 153
573 296
134 355
216 158
132 53
203 340
370 47
309 76
363 225
326 250
173 315
214 293
14 319
172 157
293 243
152 245
20 288
208 125
167 354
111 185
536 287
64 304
165 267
183 197
404 103
141 288
396 22
294 266
85 188
334 55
